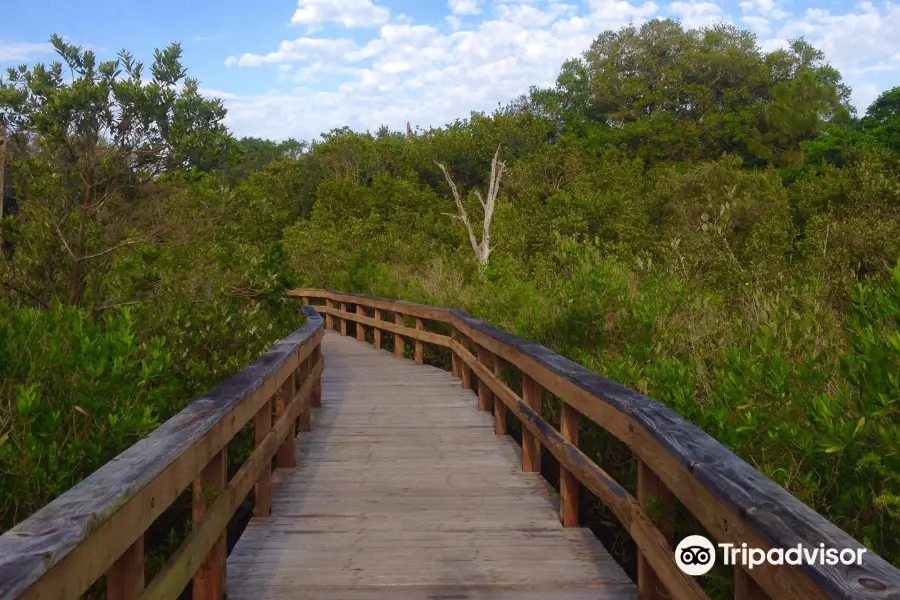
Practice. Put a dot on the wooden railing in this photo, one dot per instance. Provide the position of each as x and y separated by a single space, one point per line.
676 461
98 526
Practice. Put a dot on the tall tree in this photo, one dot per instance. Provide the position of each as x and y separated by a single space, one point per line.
101 135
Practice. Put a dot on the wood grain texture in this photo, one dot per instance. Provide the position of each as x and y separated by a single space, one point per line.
285 457
63 548
733 501
745 588
125 579
568 483
398 338
402 492
360 328
209 580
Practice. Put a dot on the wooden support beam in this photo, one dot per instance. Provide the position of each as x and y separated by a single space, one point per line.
376 331
209 580
125 578
659 504
302 375
398 339
286 457
454 358
420 347
568 483
499 407
306 300
531 447
316 400
343 320
485 396
360 328
745 587
262 424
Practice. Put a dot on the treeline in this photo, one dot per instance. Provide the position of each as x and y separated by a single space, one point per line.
705 222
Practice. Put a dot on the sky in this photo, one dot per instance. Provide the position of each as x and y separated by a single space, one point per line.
298 68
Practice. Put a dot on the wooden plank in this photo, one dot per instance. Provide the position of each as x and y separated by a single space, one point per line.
66 546
398 338
286 458
302 375
209 580
568 483
376 330
420 348
125 579
400 508
732 501
531 447
344 316
485 397
262 424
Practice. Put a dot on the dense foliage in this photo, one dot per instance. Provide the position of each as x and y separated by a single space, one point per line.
697 219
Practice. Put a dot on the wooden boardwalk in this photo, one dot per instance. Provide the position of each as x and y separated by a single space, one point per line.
403 491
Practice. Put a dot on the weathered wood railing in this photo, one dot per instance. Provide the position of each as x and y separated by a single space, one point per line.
98 526
676 461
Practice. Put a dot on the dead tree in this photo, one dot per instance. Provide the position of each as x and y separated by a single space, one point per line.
2 170
482 249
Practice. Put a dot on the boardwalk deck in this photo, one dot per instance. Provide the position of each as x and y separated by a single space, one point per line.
403 491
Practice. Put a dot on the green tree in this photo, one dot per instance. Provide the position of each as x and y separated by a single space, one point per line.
102 135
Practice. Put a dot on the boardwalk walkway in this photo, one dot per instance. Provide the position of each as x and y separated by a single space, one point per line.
402 491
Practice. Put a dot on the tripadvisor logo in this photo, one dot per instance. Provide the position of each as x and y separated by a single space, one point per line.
695 555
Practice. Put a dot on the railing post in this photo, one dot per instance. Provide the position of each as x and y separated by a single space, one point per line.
531 447
465 373
285 457
420 347
302 374
454 358
343 320
316 400
125 578
499 406
485 396
398 339
658 502
360 328
329 319
568 483
376 331
262 424
745 587
209 580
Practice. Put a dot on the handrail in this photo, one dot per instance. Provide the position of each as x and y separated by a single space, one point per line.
675 459
98 526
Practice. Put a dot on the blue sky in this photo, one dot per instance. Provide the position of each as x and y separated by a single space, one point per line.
297 68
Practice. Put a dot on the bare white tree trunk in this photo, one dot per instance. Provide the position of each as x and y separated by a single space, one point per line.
2 169
482 249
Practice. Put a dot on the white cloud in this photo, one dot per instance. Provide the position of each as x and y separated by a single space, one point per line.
431 74
301 49
22 51
697 14
464 7
349 13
